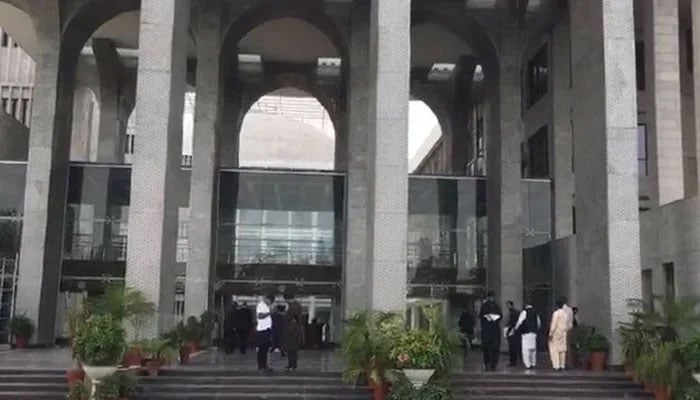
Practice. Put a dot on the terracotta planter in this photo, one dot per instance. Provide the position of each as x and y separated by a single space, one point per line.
184 355
380 390
153 367
648 387
132 358
194 347
661 392
75 375
20 342
598 361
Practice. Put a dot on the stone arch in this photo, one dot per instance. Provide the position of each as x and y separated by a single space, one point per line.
272 9
464 26
323 143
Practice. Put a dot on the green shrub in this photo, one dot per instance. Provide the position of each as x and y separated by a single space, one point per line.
21 326
690 349
100 341
597 343
207 321
404 390
159 349
116 387
192 331
78 391
416 349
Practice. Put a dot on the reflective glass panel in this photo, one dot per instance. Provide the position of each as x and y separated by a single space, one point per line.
537 212
12 184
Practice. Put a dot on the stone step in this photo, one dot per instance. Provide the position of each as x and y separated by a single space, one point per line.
549 393
29 371
271 386
12 386
224 373
247 396
524 382
24 395
33 378
544 375
247 380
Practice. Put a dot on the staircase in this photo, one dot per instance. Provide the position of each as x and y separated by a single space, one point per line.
33 384
221 384
543 385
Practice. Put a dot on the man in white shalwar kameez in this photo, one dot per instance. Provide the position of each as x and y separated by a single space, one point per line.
528 325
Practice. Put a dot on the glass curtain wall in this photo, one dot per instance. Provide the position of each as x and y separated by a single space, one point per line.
281 232
447 244
12 184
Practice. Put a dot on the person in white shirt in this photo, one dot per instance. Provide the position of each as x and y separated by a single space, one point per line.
263 333
528 325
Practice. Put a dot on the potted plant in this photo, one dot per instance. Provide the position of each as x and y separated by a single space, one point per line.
192 334
207 322
76 317
581 334
405 390
116 387
22 328
133 357
597 346
633 337
158 352
78 391
100 344
417 355
366 347
690 351
175 338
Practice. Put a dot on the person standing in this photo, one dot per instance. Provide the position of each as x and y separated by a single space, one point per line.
512 334
466 328
243 323
528 325
263 331
558 332
230 328
292 341
570 318
490 318
279 322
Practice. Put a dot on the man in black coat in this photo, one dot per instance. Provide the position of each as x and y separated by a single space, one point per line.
490 318
512 335
243 323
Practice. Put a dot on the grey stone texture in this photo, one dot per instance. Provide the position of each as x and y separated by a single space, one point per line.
562 136
605 123
357 269
156 162
664 115
390 24
203 192
504 169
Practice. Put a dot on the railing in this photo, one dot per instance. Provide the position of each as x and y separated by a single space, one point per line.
266 253
84 249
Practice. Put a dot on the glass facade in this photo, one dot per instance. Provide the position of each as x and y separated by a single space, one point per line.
280 232
537 212
12 184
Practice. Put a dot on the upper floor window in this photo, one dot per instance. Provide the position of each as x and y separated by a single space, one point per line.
5 42
642 150
536 155
537 76
641 66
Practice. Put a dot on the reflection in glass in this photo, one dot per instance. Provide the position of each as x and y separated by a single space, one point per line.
97 213
447 231
12 183
537 212
274 226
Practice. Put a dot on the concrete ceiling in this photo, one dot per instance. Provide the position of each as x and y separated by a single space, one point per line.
432 43
123 30
288 39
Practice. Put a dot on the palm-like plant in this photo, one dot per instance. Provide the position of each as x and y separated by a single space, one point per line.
367 345
676 318
124 303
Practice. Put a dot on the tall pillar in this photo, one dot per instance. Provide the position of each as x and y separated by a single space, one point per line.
356 288
111 132
695 6
505 269
665 112
153 213
203 192
45 194
562 136
390 56
605 128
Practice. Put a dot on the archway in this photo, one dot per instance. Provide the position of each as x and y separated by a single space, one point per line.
287 129
424 133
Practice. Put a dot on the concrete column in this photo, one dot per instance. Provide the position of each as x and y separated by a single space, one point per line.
356 288
696 79
505 269
160 100
111 134
203 192
666 150
562 137
390 54
45 194
605 128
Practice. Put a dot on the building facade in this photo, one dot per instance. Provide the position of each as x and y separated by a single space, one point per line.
566 162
